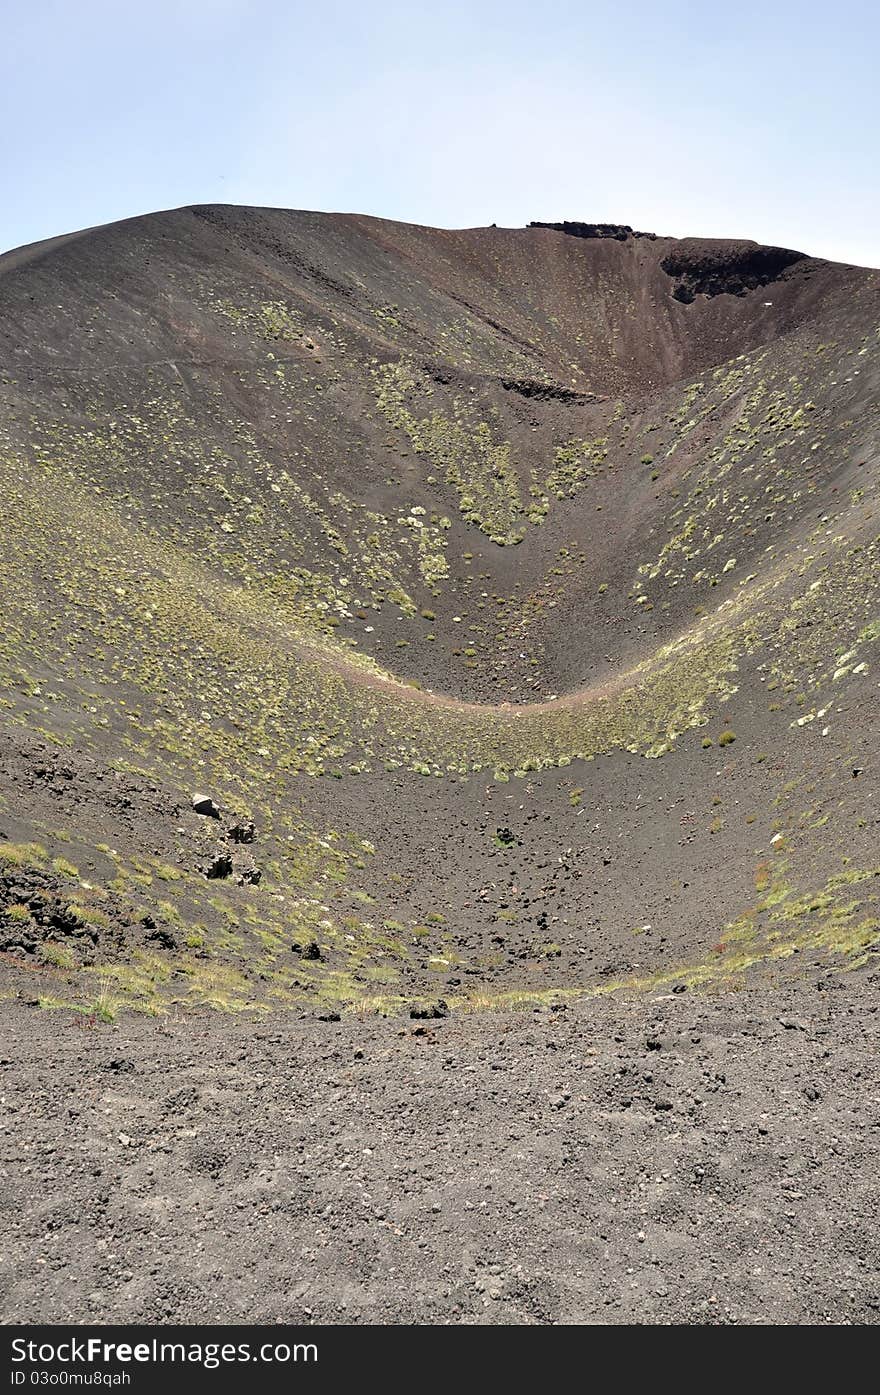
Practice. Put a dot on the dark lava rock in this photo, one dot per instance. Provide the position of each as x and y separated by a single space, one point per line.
247 873
242 832
160 935
724 268
545 392
618 231
310 950
431 1010
217 867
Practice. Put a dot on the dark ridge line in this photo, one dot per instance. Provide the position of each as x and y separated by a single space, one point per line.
620 232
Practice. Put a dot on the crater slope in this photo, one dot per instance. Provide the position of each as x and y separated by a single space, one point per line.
395 616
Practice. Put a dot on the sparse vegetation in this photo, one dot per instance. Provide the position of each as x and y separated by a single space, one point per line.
231 588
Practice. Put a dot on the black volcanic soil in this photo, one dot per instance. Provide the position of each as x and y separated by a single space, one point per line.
438 793
672 1159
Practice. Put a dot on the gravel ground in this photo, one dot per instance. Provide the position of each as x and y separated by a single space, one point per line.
672 1159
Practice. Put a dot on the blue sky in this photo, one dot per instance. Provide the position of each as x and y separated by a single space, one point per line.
751 120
